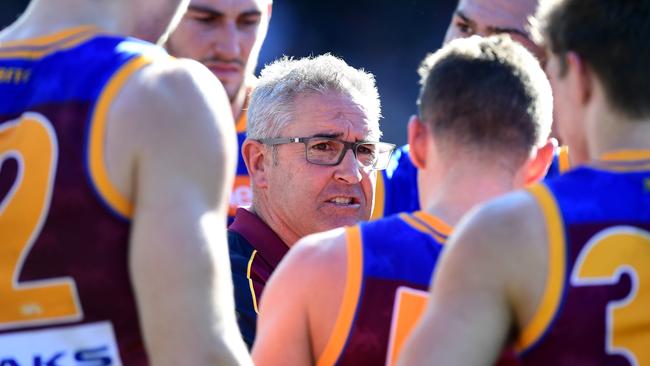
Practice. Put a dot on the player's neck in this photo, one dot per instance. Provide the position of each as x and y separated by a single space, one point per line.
463 187
237 104
615 133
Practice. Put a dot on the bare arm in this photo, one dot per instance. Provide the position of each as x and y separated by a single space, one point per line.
173 125
477 290
282 326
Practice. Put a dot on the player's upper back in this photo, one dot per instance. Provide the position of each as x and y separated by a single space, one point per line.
64 225
599 217
391 260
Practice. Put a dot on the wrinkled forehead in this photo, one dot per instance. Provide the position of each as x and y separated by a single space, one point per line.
499 13
332 115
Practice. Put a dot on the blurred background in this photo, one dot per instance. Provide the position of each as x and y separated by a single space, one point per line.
386 38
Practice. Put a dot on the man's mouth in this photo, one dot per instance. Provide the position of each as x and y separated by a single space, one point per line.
343 201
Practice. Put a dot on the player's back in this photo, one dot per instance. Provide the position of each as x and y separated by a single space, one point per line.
64 281
395 260
595 307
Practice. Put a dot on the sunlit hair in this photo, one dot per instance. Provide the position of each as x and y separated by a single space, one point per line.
487 95
612 37
272 103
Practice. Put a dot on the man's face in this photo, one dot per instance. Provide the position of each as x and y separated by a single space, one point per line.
310 198
489 17
225 36
567 115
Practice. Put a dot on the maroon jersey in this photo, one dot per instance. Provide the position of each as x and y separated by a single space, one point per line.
596 306
390 262
65 293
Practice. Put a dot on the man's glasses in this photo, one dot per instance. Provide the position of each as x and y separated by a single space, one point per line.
329 151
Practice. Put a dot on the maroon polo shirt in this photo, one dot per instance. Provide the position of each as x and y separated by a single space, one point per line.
255 251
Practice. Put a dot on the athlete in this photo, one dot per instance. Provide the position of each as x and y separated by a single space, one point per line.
226 36
482 130
112 195
397 185
572 288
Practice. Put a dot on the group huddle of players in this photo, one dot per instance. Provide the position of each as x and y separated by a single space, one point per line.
485 247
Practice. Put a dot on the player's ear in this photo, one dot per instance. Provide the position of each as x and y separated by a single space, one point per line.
418 134
255 156
537 166
580 78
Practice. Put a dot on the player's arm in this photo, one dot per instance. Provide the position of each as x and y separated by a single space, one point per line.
295 302
282 325
477 287
171 126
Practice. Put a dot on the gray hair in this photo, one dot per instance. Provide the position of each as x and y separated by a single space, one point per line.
271 106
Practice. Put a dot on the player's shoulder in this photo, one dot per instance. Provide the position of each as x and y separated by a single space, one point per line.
176 79
316 250
169 95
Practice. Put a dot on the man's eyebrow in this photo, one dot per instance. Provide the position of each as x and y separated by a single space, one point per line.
510 31
460 14
205 9
328 135
252 12
216 13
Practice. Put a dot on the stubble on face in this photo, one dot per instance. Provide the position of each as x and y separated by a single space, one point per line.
313 198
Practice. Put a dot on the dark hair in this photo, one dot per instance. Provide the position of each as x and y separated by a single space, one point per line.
613 39
486 94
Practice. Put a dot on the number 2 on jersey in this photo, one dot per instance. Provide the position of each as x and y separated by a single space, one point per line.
31 141
604 259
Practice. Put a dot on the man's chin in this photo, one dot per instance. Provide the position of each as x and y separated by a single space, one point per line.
330 223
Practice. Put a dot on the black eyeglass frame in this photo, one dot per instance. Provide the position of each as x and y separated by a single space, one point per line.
346 146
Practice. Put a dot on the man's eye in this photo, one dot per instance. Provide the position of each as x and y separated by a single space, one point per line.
464 28
367 150
321 146
204 18
249 21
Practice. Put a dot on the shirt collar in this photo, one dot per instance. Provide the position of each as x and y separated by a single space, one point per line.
267 243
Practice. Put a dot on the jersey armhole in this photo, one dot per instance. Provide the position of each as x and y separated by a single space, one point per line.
350 300
532 332
96 150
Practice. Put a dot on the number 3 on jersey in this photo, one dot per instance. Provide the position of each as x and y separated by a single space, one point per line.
31 141
603 260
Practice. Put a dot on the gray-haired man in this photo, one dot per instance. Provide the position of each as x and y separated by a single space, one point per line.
312 151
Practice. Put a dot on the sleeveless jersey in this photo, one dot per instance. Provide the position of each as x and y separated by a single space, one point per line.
596 305
397 185
65 292
390 263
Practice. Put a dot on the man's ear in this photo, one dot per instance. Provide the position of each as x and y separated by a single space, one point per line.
254 154
418 134
537 166
580 78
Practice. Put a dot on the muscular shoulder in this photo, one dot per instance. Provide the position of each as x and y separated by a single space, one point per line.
321 251
505 241
170 93
315 259
171 121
